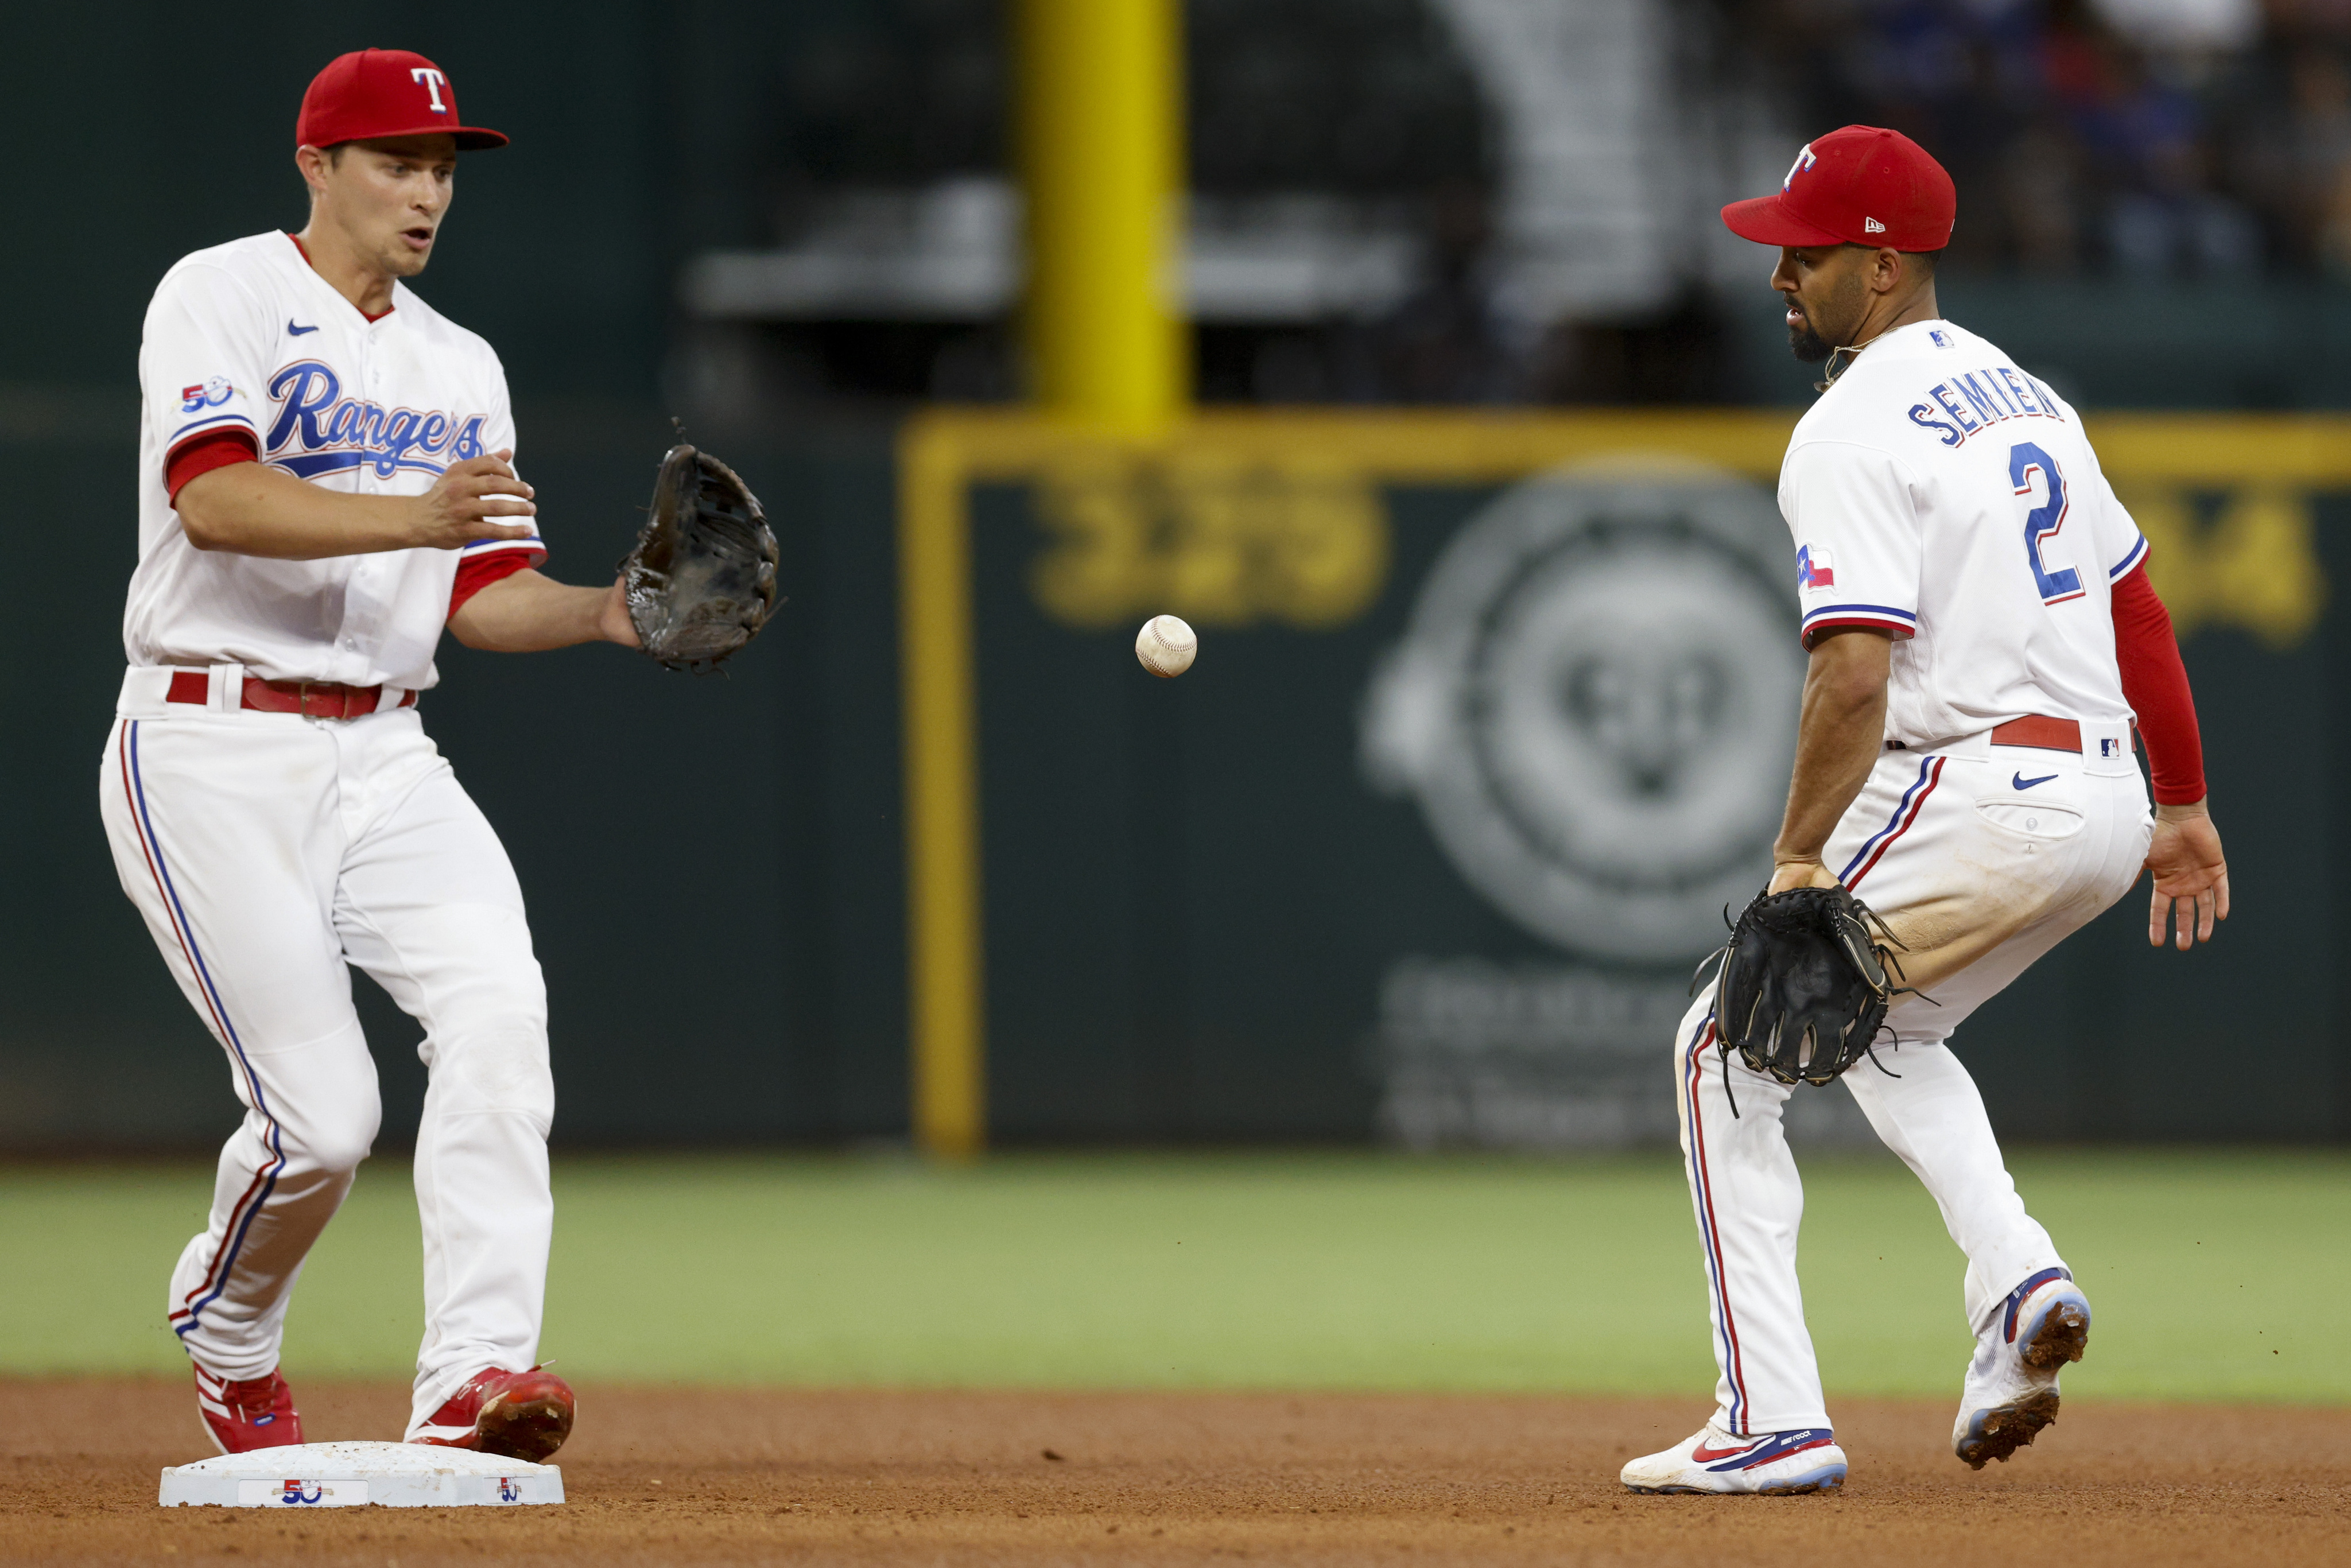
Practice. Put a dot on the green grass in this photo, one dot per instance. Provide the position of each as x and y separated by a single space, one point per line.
2214 1275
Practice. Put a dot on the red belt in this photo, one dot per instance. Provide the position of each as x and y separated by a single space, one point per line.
2040 731
311 699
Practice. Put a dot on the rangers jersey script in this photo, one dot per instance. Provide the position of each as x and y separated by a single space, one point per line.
245 336
1939 493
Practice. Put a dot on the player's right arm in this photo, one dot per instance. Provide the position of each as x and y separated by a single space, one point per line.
2191 874
249 508
204 356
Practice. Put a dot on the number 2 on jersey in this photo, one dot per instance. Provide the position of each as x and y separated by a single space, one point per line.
2044 521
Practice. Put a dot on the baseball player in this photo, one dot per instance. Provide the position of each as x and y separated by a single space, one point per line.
1982 638
324 485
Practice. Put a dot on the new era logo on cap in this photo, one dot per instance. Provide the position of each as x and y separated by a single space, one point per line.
1858 185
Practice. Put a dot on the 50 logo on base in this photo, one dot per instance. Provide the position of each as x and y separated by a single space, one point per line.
301 1493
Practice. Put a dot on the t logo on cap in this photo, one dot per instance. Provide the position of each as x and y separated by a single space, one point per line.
1804 160
432 80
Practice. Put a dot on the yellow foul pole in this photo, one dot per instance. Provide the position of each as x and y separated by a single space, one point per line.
944 949
1098 130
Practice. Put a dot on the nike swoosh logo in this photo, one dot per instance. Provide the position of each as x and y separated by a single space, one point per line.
2022 782
298 331
1705 1455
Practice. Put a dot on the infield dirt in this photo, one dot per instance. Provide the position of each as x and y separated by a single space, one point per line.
790 1476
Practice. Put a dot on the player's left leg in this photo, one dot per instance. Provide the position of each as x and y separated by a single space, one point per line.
1748 1203
1770 1431
428 904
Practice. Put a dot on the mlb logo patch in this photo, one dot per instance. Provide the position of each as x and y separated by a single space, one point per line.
1813 569
1941 338
2109 746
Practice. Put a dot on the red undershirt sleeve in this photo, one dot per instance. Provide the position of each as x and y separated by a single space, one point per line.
202 453
2155 683
477 572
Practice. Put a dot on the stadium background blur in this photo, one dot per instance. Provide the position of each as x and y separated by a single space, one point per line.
1310 1043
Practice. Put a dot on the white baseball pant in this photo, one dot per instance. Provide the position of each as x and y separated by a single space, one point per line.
1981 858
268 853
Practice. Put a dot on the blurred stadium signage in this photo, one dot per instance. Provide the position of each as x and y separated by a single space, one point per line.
1492 718
1219 543
2246 558
1590 705
1590 709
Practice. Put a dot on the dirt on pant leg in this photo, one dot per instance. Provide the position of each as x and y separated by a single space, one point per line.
661 1475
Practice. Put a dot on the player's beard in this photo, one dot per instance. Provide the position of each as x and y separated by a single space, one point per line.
1806 341
1809 347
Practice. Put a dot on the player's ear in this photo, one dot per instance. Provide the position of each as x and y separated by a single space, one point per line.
1886 269
313 164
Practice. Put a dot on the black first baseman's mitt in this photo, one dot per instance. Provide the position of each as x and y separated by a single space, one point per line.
1804 985
702 578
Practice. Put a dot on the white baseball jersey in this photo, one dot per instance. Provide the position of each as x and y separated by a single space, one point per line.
1937 492
246 336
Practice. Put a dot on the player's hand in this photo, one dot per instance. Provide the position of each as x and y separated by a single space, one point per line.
2191 878
1793 874
467 501
612 620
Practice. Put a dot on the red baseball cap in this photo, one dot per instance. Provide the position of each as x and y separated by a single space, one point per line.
1859 185
384 92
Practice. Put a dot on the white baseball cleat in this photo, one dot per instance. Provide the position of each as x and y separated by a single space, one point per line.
2011 1388
1773 1464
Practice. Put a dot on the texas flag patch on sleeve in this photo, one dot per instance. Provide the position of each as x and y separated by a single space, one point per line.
1813 570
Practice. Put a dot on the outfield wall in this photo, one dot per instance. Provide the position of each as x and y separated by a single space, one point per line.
1491 719
1414 852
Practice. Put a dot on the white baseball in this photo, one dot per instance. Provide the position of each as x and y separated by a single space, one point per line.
1166 645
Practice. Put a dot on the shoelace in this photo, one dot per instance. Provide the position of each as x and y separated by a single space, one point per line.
250 1398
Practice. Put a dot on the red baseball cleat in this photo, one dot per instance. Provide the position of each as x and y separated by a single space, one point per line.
256 1413
520 1415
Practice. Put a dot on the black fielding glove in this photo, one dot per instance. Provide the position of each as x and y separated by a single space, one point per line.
1803 987
702 578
